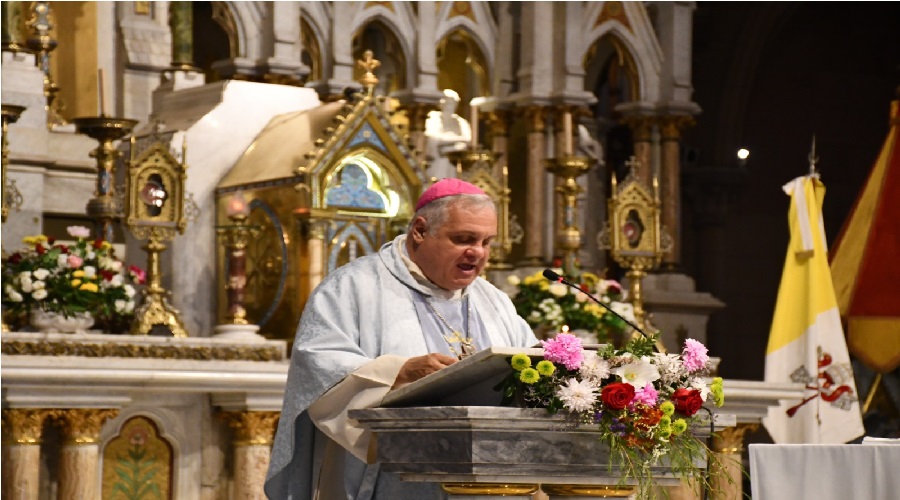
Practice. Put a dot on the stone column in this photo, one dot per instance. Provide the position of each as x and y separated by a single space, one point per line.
534 195
670 186
79 465
253 434
641 127
417 113
498 121
22 430
727 476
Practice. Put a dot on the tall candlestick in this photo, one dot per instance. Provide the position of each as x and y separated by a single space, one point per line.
474 126
101 104
567 132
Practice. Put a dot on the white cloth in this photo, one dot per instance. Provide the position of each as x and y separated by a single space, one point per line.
362 312
824 472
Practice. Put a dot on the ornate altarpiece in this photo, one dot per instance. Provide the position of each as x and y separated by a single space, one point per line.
325 186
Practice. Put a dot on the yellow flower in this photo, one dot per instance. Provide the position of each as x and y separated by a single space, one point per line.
78 274
520 362
543 285
75 283
545 368
665 422
529 376
590 279
89 287
106 245
594 309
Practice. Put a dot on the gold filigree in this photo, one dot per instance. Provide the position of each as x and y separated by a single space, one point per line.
24 426
252 427
497 489
81 426
731 439
42 347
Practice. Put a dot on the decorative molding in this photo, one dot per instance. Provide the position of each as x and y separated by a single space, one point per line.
45 347
82 426
252 427
24 426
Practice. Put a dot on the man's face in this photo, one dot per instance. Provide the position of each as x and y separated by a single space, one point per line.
456 254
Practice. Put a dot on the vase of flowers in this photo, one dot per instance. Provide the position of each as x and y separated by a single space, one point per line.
549 306
53 286
643 403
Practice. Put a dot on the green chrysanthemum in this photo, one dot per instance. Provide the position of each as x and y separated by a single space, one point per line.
665 422
545 368
664 433
520 361
718 394
529 376
716 382
668 408
679 426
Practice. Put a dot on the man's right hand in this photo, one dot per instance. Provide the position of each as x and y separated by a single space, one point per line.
420 366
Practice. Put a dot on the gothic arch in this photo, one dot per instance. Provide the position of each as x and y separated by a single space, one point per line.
400 62
313 16
400 24
482 29
637 39
248 17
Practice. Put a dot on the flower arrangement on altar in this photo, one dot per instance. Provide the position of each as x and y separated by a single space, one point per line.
70 280
557 307
644 403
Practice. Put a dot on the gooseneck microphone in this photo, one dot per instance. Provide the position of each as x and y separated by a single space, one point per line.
552 276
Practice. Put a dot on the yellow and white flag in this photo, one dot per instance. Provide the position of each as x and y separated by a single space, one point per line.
806 343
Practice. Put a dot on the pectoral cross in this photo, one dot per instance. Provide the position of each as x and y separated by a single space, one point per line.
466 345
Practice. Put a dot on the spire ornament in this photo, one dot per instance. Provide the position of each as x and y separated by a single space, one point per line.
368 64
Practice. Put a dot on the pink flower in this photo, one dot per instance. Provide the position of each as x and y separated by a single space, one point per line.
694 354
648 395
565 348
74 261
78 231
137 274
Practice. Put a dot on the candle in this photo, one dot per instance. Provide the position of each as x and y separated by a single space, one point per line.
567 132
236 205
101 104
474 109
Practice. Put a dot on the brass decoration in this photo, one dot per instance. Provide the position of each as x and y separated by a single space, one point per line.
252 427
731 439
477 166
368 64
104 206
12 198
489 489
81 426
24 426
633 234
44 347
154 186
236 236
588 490
42 43
567 168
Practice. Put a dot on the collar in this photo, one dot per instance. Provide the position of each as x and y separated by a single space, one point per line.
420 277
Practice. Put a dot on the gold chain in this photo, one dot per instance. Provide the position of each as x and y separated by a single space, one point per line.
466 344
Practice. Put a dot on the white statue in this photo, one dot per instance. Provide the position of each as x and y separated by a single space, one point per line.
445 131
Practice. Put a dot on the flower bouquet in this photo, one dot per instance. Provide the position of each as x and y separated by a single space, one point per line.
644 404
557 307
70 280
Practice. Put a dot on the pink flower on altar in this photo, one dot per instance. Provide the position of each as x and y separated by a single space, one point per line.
648 395
695 355
137 274
78 231
565 348
74 261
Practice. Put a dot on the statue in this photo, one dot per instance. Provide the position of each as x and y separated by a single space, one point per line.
445 131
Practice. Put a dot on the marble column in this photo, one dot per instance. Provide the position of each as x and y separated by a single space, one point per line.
79 465
534 195
641 128
498 121
181 18
22 430
727 475
253 435
670 185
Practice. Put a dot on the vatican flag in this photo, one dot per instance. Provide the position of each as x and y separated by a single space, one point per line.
806 343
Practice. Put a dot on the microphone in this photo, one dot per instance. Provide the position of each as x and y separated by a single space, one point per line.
552 276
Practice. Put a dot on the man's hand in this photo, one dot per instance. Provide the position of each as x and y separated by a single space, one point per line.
419 366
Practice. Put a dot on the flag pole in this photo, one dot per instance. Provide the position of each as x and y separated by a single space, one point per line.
813 159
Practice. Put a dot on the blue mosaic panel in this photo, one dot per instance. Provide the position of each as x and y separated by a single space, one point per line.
366 135
353 190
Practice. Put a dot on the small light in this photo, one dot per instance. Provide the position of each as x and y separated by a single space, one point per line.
743 154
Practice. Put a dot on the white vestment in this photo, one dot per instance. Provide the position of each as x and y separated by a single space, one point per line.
358 328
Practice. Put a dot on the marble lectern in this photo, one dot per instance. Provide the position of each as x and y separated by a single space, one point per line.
449 428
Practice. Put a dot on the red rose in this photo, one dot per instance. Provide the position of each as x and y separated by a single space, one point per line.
98 244
687 401
107 275
51 240
40 249
15 258
617 395
63 248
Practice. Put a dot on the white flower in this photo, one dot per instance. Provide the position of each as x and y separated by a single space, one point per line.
41 273
513 280
115 265
39 294
117 280
638 373
624 309
62 261
670 368
580 297
78 231
26 284
119 305
577 395
90 271
593 367
129 291
90 255
129 307
14 296
700 385
25 274
558 289
38 285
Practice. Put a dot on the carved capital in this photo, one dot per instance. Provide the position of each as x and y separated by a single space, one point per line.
641 126
671 126
24 426
731 439
82 425
534 116
252 427
499 122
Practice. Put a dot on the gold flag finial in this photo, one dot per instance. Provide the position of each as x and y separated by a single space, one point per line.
368 63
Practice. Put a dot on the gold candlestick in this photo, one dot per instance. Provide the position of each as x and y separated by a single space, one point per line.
105 130
43 44
236 236
568 238
477 166
12 198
